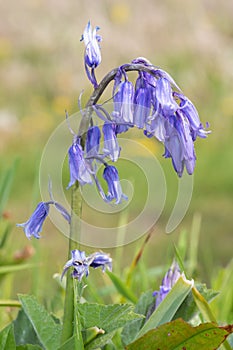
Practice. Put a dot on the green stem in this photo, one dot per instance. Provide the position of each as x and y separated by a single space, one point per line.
75 231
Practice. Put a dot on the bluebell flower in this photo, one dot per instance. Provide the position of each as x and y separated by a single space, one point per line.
189 111
92 57
33 226
91 41
142 102
168 282
123 103
179 144
79 170
163 92
80 264
111 176
102 260
111 146
93 141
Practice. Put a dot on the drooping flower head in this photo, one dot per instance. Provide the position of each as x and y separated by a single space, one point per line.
142 102
79 170
111 176
111 146
93 141
123 103
33 226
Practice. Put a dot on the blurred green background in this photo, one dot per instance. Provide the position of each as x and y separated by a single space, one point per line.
42 74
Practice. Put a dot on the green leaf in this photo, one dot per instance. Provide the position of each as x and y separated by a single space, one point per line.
169 306
24 331
46 329
7 340
106 317
178 335
188 308
121 287
109 318
131 329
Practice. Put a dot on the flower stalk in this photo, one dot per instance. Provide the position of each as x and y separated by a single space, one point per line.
75 229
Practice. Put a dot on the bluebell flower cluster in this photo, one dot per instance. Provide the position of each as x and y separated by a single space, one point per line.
153 103
81 263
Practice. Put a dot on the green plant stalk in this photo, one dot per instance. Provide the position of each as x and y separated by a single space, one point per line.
75 231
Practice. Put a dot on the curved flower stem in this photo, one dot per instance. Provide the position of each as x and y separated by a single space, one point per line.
75 230
98 91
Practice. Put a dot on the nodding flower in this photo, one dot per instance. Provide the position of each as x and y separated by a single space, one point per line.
111 176
33 226
79 169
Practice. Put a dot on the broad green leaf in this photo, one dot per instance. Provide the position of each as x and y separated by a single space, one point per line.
46 329
121 287
142 307
179 335
106 317
24 331
7 340
169 306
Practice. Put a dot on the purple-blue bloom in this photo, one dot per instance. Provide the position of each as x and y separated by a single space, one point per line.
168 282
102 260
123 102
93 141
81 263
189 111
111 176
34 225
163 92
111 146
91 41
79 170
142 101
179 144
